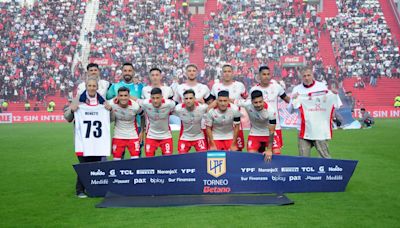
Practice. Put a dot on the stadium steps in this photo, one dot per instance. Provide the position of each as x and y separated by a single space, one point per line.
390 18
196 34
381 95
326 50
330 9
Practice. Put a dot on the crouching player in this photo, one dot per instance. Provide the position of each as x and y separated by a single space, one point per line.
191 114
158 134
124 113
263 120
223 124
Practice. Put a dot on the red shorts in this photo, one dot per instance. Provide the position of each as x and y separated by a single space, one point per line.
119 145
257 143
152 145
184 146
223 144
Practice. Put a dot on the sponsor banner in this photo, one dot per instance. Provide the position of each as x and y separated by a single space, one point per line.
29 117
293 61
101 61
380 112
215 172
5 117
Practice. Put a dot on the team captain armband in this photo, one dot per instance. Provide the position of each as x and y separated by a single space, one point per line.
272 121
283 96
236 120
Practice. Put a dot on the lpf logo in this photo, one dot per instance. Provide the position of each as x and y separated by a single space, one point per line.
216 164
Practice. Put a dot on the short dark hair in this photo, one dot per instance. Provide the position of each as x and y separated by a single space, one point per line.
189 91
128 64
227 65
155 68
223 93
123 89
256 94
362 109
90 65
262 68
192 65
155 91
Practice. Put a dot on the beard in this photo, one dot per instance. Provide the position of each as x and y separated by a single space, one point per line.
127 78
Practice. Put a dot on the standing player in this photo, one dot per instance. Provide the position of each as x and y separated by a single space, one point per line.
202 91
129 81
191 114
156 82
271 91
158 134
237 92
223 124
316 109
124 113
263 120
93 71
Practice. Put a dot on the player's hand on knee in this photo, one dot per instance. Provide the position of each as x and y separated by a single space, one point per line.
267 155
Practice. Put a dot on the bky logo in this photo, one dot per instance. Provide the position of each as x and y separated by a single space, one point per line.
216 164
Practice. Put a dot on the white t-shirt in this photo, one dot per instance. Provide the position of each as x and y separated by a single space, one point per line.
222 122
271 95
191 121
259 120
125 120
157 119
92 130
201 91
301 89
316 112
167 92
236 89
102 90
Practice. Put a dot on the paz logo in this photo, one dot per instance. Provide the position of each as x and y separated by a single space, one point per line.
216 163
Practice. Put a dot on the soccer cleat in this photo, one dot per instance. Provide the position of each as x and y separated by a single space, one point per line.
81 195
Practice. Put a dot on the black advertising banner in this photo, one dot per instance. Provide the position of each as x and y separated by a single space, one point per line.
215 172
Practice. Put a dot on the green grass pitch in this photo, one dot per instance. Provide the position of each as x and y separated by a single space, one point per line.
37 187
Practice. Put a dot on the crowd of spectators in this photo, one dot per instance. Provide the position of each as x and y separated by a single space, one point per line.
146 33
363 44
248 34
37 46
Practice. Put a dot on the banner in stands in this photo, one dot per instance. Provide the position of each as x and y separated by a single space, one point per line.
215 172
29 117
293 61
380 112
101 61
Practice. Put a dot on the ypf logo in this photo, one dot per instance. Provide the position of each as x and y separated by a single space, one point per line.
216 164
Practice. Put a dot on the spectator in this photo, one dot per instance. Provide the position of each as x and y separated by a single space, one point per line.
27 105
397 101
4 105
51 106
36 108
